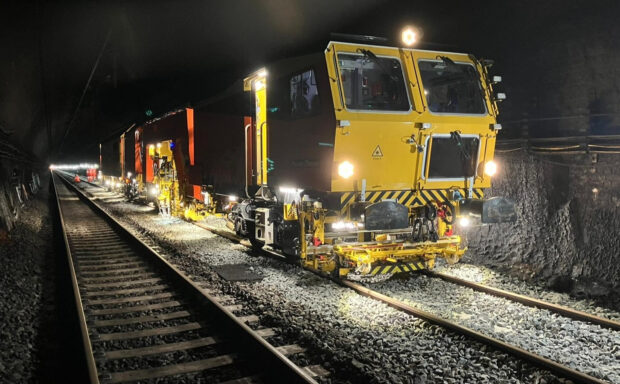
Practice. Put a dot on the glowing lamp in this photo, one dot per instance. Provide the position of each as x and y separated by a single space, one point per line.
490 168
464 222
409 36
345 169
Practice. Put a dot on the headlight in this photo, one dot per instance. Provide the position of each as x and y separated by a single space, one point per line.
464 222
345 169
490 168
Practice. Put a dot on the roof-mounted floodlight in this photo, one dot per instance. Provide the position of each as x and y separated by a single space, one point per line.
410 36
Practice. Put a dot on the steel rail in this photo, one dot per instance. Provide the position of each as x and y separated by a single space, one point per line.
530 301
521 353
88 349
276 364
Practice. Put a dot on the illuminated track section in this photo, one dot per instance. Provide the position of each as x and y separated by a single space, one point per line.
521 353
530 301
516 351
135 309
540 361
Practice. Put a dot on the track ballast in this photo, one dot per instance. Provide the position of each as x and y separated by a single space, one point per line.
143 319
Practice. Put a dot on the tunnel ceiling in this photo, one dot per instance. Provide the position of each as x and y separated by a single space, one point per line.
560 59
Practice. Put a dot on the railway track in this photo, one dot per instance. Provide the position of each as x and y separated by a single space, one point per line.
553 366
540 361
530 301
142 319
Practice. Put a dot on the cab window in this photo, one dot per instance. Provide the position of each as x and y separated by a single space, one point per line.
452 87
372 83
304 95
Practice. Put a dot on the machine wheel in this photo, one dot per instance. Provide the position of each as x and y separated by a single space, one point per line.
238 227
452 259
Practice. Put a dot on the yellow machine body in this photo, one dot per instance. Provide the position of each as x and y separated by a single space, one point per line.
165 179
382 146
170 198
387 155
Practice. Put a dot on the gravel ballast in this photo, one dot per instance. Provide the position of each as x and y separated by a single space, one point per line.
582 346
484 275
27 301
356 338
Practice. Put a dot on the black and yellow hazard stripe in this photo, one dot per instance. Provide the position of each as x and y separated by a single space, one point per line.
407 198
396 268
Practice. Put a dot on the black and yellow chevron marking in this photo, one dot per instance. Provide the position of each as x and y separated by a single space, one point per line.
396 268
407 198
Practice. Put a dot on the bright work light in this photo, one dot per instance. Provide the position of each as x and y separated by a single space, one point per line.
345 169
409 36
490 168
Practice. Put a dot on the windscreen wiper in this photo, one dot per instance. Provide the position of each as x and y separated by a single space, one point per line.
370 55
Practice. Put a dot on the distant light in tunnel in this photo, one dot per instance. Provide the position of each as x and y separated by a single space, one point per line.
74 166
464 222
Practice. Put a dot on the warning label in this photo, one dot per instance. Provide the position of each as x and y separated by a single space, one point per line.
377 153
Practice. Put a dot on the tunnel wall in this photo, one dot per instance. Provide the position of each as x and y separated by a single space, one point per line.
568 230
18 184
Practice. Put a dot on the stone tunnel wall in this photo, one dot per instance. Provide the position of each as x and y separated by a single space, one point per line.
18 184
568 230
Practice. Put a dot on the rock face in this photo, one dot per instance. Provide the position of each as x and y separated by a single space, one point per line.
568 225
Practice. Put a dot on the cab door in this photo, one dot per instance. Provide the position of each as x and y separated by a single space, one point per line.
376 116
457 115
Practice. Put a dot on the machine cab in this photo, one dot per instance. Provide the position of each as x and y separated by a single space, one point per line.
410 120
